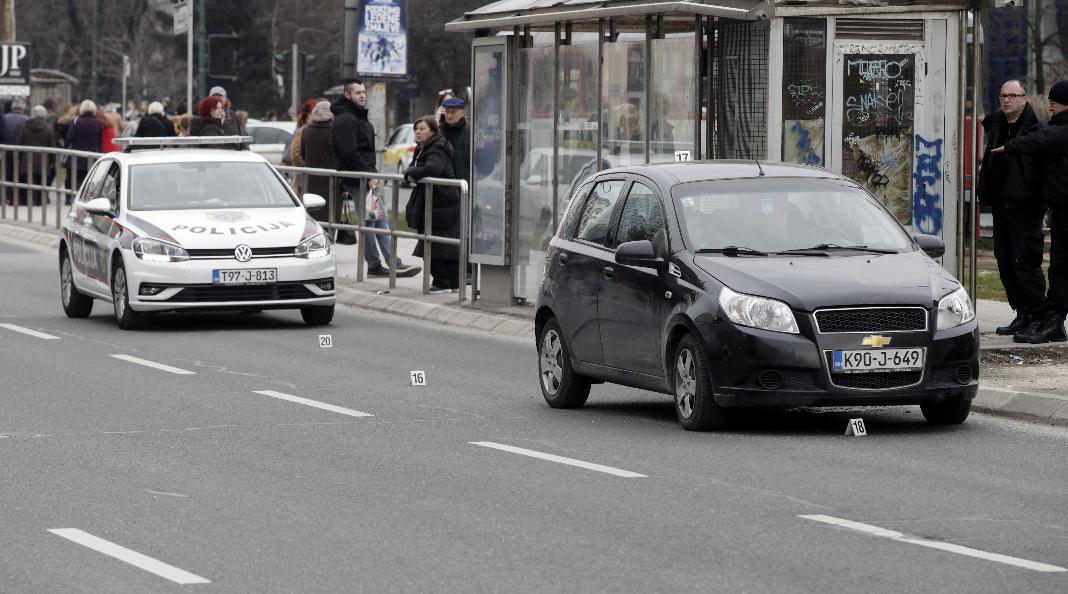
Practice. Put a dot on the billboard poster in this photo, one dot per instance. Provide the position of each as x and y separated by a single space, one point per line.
489 225
382 39
15 70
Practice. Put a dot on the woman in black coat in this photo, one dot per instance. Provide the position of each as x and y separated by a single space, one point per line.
433 158
208 121
318 153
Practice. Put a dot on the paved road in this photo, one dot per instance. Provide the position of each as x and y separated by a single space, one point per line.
118 476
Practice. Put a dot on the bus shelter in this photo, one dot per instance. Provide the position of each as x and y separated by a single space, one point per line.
872 89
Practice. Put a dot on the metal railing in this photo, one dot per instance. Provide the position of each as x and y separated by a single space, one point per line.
59 176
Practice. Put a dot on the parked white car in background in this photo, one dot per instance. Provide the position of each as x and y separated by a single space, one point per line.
270 138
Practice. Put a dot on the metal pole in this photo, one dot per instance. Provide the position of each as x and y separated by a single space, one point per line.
973 223
202 46
556 127
361 243
428 230
95 52
189 60
600 88
465 228
962 98
43 192
393 222
698 46
15 175
648 128
294 75
61 198
125 74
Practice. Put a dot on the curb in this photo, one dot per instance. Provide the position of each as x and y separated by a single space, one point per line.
1030 406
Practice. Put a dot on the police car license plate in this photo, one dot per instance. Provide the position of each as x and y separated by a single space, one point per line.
245 276
880 360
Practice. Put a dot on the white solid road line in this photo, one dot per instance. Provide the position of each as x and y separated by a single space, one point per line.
154 365
934 544
29 332
163 570
560 459
313 403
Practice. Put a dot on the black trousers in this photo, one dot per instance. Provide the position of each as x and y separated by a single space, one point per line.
1018 251
1058 260
445 273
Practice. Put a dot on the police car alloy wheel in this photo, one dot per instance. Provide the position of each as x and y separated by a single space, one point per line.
75 305
560 385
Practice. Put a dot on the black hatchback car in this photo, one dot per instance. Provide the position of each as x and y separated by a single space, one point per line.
741 283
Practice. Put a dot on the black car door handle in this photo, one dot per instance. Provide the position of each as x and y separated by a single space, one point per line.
609 272
563 257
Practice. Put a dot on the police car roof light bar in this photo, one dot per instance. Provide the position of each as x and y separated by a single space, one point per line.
129 144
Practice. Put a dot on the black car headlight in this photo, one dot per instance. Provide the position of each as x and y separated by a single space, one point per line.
317 246
154 250
757 312
955 309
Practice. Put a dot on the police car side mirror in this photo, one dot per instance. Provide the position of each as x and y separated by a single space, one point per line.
313 201
99 206
638 253
931 245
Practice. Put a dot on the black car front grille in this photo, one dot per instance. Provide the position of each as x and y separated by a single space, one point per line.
877 381
872 319
212 294
271 252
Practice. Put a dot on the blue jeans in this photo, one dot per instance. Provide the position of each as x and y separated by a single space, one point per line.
370 250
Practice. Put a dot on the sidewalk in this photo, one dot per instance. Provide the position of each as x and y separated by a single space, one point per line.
1019 380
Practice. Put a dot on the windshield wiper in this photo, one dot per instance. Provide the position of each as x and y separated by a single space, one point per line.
733 250
834 246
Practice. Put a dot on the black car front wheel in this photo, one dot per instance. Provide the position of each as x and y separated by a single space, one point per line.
695 405
560 385
947 412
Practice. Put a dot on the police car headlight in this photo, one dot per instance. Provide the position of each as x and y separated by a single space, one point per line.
154 250
757 312
955 309
313 247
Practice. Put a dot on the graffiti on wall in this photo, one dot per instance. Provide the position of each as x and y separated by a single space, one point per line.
803 142
927 195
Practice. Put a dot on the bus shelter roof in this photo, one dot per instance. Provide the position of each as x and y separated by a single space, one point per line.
506 14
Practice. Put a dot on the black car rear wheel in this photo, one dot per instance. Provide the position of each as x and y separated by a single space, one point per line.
947 412
694 403
560 385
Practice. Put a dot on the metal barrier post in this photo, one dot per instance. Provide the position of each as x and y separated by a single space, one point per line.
428 229
464 229
15 181
61 196
44 189
393 216
3 185
331 218
361 248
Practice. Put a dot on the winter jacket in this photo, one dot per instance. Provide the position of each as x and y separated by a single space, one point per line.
231 125
36 132
434 159
353 137
1051 144
108 145
1014 181
317 152
294 148
154 125
201 126
86 134
13 123
459 136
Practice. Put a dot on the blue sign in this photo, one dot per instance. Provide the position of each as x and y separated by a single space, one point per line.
382 40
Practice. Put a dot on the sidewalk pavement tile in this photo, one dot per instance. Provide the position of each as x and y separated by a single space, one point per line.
421 310
463 318
514 327
486 322
1034 405
441 314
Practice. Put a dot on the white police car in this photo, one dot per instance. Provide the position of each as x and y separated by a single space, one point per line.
193 228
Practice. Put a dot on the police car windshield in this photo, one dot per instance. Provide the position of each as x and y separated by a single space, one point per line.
205 186
781 214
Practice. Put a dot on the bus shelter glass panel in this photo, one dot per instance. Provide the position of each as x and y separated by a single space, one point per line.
804 89
878 114
579 116
534 144
671 124
623 104
488 222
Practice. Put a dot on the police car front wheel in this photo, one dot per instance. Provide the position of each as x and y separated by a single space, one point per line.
317 315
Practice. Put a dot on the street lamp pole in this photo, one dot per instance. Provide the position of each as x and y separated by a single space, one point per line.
95 51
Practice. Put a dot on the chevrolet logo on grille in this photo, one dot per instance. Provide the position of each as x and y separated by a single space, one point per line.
875 341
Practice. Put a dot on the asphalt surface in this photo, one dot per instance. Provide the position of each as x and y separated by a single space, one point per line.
243 491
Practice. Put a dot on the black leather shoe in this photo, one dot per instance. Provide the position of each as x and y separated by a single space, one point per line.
1016 326
1049 329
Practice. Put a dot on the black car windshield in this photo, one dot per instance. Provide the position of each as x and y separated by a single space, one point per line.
206 185
783 214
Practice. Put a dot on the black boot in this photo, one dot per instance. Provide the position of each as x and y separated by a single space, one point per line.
1021 322
1049 329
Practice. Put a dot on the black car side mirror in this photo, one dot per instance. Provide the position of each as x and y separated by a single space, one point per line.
931 245
638 253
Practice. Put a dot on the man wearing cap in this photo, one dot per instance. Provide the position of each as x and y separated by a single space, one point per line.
231 124
458 133
1011 186
1051 143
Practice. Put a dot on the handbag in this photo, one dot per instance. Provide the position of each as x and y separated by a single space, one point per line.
345 236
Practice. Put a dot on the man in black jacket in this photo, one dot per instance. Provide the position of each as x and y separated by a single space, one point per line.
352 138
1011 185
1051 144
458 133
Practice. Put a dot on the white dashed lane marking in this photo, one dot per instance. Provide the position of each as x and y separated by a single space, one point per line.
29 332
313 403
559 459
163 570
154 365
934 544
